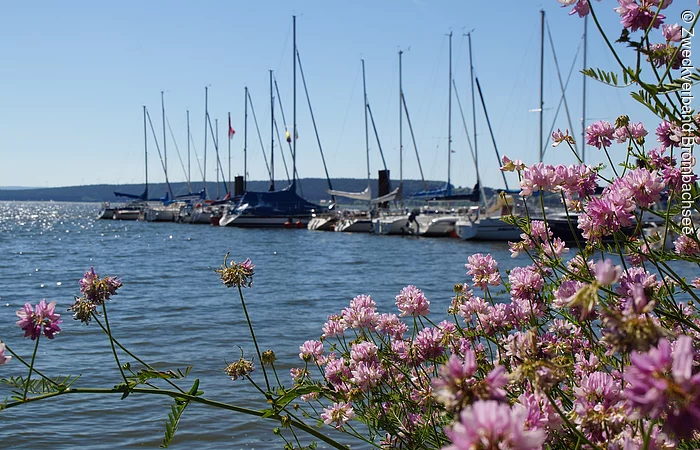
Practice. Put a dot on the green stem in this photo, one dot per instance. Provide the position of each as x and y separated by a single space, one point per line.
191 398
255 341
111 342
31 367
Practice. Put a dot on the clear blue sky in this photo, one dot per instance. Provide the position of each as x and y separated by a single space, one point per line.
75 75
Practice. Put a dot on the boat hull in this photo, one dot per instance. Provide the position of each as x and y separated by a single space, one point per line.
430 225
355 225
397 225
320 223
487 229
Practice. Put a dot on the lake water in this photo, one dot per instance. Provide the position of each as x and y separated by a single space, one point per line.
174 312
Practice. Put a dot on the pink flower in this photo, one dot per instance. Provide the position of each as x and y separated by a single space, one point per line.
3 359
640 16
687 246
412 302
339 413
483 270
364 351
606 273
600 134
525 282
669 135
643 186
630 131
32 321
428 343
558 137
490 424
582 7
672 33
361 313
391 325
662 381
98 290
537 177
311 350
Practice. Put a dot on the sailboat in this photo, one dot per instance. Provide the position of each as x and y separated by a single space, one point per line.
438 222
358 221
130 210
485 222
395 222
283 208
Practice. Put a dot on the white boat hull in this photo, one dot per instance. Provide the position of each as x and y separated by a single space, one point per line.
487 229
392 225
355 225
321 223
431 225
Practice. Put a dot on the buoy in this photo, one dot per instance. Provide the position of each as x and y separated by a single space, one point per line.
288 224
299 224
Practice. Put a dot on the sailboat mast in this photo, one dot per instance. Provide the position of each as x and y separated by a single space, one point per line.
364 90
216 146
583 114
400 128
165 151
245 142
229 153
206 116
449 122
272 136
294 101
471 76
189 173
145 149
542 85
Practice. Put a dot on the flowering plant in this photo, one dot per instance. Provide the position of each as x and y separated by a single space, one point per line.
589 346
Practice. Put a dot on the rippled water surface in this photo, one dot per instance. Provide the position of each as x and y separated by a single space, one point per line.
174 312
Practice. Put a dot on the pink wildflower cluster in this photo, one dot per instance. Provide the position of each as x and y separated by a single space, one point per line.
483 270
642 14
661 382
574 180
412 302
614 209
490 424
34 320
338 413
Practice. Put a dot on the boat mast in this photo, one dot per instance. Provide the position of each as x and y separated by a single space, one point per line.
145 149
294 102
476 150
189 173
364 90
449 121
400 132
165 152
542 85
229 152
583 114
245 143
206 116
216 146
272 136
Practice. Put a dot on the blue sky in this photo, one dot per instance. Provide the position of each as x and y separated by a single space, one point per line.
76 74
